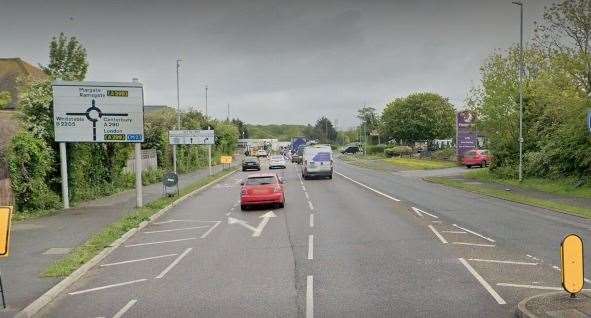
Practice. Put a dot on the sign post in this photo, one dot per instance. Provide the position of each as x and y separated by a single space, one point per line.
98 112
466 137
226 160
5 223
589 120
571 256
193 137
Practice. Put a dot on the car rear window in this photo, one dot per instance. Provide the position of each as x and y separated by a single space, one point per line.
470 153
260 180
277 157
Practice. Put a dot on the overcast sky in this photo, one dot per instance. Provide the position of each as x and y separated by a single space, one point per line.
275 61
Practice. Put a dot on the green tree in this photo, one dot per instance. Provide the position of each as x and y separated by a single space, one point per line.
67 59
324 131
242 129
5 99
419 117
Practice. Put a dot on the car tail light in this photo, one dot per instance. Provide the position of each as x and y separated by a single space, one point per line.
243 191
277 189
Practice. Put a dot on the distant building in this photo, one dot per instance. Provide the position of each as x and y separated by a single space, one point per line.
155 108
14 69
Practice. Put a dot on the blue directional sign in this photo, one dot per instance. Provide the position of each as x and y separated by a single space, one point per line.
589 120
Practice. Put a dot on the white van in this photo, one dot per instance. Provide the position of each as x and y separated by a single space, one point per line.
317 161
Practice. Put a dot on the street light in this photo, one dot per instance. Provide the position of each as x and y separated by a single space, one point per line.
178 111
520 4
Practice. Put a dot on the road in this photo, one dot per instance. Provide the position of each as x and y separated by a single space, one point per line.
364 244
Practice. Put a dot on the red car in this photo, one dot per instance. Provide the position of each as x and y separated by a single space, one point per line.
262 189
477 157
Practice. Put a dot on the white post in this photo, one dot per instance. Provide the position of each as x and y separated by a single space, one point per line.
174 158
209 158
64 170
138 175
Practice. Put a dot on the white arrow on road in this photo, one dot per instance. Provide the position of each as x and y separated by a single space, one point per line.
256 232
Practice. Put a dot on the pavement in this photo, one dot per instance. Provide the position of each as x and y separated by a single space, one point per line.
555 305
364 244
38 243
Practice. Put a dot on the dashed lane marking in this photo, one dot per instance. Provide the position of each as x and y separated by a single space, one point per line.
107 286
483 282
309 296
477 234
454 232
310 247
502 262
161 242
311 220
369 188
530 286
125 308
420 212
439 236
138 260
175 230
310 205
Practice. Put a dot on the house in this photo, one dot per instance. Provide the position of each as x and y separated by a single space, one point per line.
12 70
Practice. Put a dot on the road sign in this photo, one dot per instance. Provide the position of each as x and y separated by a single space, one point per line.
98 112
226 159
191 137
170 183
5 216
571 254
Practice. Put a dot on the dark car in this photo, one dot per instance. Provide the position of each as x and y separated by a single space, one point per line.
251 163
351 150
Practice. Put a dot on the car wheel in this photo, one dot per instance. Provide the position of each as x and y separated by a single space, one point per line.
330 177
243 207
483 164
243 169
468 166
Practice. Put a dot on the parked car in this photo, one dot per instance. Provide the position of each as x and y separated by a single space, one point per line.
477 157
261 153
317 161
277 161
250 163
262 189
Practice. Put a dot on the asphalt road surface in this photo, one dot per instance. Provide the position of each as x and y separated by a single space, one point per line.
364 244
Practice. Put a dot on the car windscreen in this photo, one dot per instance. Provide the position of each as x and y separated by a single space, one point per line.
250 159
276 157
260 180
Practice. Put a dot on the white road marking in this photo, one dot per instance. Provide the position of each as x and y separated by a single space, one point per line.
228 213
473 244
174 230
369 188
161 242
421 212
173 264
437 222
556 267
303 188
477 234
307 196
535 258
310 205
107 286
125 308
172 221
211 229
482 282
311 220
454 232
138 260
439 236
530 286
310 246
309 297
502 262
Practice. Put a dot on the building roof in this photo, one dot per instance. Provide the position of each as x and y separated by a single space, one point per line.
11 69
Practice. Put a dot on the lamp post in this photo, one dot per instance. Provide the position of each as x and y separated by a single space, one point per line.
178 112
520 4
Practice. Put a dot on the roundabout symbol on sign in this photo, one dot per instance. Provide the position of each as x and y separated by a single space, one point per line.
94 114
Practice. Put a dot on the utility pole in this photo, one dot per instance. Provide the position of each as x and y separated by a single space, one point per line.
178 112
208 128
228 115
206 101
521 69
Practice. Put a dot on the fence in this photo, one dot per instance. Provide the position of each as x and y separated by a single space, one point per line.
149 161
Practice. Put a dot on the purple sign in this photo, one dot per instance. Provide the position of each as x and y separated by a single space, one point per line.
466 137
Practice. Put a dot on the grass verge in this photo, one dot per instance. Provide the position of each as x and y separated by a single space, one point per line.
113 231
519 198
564 187
420 164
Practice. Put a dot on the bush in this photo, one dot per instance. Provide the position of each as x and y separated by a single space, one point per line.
152 176
444 154
398 151
30 162
375 149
